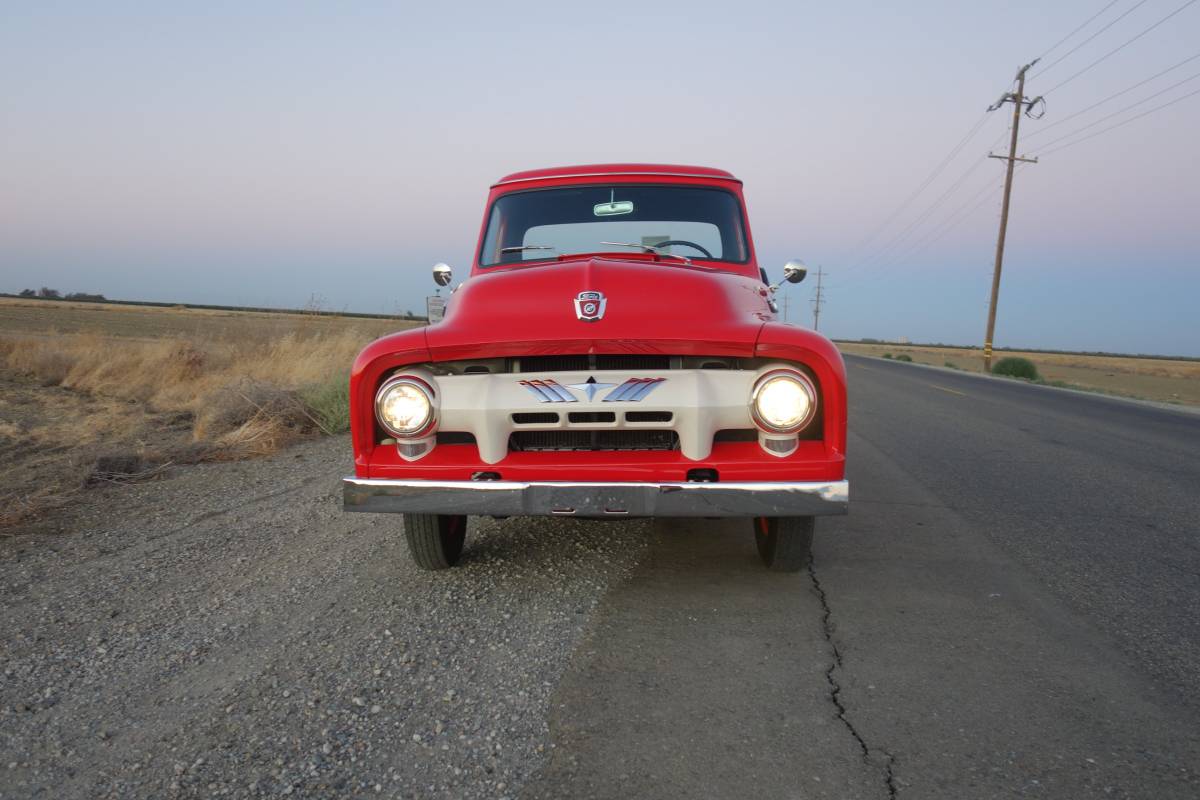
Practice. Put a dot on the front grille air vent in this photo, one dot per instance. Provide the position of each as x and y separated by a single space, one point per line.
591 416
593 440
648 416
736 435
535 418
455 437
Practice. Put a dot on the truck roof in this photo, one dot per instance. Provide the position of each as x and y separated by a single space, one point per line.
601 170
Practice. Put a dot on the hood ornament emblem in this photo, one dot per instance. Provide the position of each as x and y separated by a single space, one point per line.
589 306
590 387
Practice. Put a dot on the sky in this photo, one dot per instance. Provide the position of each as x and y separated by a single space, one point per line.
290 154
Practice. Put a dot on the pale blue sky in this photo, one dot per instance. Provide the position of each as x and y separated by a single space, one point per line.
263 153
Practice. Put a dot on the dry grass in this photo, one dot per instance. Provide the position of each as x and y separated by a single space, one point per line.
69 402
94 394
52 439
233 391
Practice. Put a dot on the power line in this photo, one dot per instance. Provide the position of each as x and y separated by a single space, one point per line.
895 272
1099 103
1086 22
900 236
1121 111
884 252
1119 48
955 218
948 224
887 247
1124 122
941 228
1068 54
970 134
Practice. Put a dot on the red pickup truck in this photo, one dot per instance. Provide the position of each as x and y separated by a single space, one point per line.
614 352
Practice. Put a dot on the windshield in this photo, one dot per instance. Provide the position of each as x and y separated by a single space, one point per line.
686 221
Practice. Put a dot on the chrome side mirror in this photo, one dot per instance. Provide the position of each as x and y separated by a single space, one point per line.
794 271
442 274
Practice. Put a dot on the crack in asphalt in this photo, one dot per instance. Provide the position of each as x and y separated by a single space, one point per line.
835 688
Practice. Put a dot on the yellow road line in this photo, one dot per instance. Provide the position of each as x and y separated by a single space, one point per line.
951 391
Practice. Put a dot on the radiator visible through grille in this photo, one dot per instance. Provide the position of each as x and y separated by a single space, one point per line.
593 440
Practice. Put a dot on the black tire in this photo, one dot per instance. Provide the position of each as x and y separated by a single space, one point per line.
784 543
435 541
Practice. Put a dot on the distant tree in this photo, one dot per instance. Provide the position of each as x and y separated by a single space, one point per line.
49 294
28 293
85 297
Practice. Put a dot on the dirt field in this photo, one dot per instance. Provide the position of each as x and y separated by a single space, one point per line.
1159 379
91 394
19 316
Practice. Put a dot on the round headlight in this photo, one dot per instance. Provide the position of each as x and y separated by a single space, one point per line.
404 407
783 401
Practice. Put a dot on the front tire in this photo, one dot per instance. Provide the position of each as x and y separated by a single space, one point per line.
435 541
784 543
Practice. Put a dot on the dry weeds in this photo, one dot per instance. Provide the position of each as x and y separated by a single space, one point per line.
175 400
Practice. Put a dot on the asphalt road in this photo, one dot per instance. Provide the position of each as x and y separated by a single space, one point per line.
1010 610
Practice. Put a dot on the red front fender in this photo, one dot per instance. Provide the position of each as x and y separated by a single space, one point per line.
788 343
380 356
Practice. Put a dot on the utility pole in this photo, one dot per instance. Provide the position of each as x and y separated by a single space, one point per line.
1019 104
817 302
786 298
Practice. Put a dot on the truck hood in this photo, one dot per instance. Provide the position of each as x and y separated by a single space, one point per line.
649 307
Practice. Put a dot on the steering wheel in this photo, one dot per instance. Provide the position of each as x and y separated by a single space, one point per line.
684 242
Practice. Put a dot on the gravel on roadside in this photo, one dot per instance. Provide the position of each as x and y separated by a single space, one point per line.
231 632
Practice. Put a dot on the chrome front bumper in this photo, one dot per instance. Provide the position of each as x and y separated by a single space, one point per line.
515 499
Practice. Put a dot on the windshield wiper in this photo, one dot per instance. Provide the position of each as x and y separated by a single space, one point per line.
524 247
650 248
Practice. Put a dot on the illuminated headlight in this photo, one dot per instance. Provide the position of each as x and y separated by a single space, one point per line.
783 401
404 407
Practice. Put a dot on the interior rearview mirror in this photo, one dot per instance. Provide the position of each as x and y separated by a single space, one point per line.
794 271
613 209
442 274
